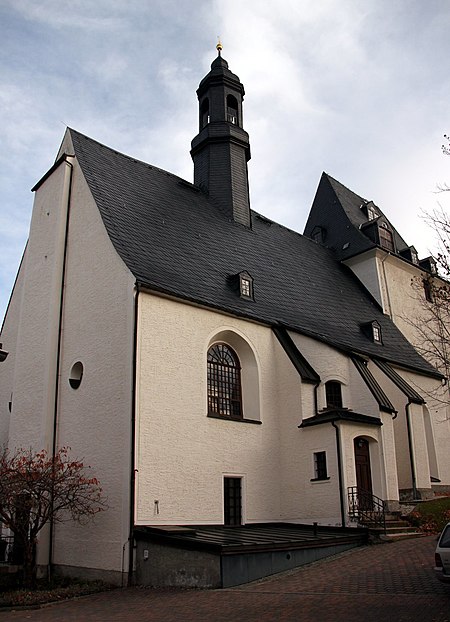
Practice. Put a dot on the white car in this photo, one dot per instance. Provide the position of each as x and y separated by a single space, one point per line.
442 556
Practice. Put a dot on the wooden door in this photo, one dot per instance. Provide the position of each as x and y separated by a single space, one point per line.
363 473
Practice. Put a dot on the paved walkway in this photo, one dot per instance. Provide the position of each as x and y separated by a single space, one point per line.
389 582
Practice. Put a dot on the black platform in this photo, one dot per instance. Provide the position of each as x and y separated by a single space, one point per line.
220 556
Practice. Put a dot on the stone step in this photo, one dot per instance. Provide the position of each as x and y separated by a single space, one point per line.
393 530
393 537
390 524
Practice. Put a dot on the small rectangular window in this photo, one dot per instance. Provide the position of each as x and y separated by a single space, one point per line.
245 287
376 333
333 394
386 239
428 290
320 465
371 213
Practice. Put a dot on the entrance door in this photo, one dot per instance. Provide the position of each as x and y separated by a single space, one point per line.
232 490
363 474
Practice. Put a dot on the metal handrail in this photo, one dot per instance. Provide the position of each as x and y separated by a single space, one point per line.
366 507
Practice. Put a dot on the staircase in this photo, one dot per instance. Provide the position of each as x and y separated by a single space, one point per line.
370 512
395 528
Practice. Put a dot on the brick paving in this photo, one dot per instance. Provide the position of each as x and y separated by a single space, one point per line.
389 582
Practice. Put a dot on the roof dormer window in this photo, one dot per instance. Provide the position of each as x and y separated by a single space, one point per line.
369 209
428 264
386 238
246 285
410 254
376 332
318 234
372 330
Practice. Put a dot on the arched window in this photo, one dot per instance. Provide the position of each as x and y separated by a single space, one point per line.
232 109
204 113
333 393
224 382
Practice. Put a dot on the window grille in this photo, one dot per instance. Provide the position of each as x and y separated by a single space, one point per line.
386 239
224 382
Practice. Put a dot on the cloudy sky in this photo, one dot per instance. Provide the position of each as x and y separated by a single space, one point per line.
358 88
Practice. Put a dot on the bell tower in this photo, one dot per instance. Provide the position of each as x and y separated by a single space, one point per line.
221 149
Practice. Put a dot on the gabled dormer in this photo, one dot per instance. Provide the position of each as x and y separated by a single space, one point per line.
380 232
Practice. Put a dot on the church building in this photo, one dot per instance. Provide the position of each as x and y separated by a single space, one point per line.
212 366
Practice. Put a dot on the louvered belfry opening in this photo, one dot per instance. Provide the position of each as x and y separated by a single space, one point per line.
224 382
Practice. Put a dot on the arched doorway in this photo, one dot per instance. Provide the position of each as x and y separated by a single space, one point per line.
362 465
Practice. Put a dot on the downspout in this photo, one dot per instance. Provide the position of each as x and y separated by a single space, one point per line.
59 346
339 458
316 408
133 449
411 450
341 483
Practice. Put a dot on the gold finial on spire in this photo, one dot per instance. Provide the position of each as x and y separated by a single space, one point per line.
219 46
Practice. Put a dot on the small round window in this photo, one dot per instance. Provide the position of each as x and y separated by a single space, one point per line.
76 374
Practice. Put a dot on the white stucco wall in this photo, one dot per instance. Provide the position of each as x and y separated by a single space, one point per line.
397 285
94 420
182 455
430 430
434 430
8 339
333 365
366 268
37 336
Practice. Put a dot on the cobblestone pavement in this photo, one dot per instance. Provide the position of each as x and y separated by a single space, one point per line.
389 582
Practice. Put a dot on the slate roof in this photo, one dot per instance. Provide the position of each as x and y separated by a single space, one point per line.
339 414
174 240
384 402
338 210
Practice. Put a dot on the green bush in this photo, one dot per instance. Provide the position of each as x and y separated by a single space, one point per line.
431 516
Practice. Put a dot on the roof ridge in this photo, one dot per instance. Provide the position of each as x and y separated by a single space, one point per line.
128 157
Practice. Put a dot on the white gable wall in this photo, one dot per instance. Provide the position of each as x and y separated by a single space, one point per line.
37 335
8 339
94 420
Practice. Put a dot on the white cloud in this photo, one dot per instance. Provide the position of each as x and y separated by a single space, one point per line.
356 89
83 14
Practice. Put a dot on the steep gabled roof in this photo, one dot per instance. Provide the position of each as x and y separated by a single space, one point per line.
337 210
175 240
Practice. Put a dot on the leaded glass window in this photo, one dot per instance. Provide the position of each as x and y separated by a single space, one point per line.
224 382
386 239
